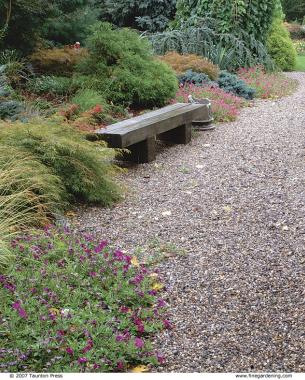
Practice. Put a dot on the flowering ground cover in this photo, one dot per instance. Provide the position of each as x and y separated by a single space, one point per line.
225 106
267 85
70 304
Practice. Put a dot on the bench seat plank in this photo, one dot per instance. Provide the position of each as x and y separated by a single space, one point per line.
122 135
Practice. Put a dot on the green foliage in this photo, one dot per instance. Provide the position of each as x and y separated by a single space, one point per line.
76 305
9 107
86 99
280 46
150 15
56 86
68 21
231 83
83 167
121 68
14 68
201 36
29 195
294 9
251 17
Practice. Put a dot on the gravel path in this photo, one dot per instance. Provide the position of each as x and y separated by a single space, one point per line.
234 201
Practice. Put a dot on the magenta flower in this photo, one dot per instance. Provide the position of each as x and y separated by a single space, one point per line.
22 313
120 366
167 324
119 338
100 246
69 351
82 360
139 343
160 358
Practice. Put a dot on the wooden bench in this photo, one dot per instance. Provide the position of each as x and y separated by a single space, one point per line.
138 134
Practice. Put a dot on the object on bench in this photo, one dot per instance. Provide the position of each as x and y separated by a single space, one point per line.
172 123
205 124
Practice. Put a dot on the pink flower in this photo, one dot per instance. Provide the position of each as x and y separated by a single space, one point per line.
69 351
139 342
82 360
22 313
120 366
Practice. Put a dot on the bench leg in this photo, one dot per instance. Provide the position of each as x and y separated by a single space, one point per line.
179 135
144 151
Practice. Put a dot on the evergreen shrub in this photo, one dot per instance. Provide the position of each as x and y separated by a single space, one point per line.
183 62
122 68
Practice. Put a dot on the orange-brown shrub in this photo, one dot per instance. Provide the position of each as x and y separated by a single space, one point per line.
183 62
57 61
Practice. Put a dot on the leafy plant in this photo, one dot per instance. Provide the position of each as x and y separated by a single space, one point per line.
73 304
251 17
231 83
183 62
86 99
121 68
83 167
280 46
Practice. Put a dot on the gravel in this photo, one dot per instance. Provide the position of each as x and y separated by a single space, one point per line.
227 214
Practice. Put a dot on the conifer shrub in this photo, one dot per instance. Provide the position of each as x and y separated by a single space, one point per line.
233 84
183 62
121 67
57 61
280 46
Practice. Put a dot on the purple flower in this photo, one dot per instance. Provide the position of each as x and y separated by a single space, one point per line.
69 351
22 313
118 255
139 342
120 366
161 303
100 246
119 338
160 358
167 324
82 360
92 274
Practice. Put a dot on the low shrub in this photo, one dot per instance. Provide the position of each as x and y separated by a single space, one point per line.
51 85
191 77
280 47
267 85
15 67
29 195
57 61
231 83
225 106
183 62
121 68
72 304
84 167
87 99
10 109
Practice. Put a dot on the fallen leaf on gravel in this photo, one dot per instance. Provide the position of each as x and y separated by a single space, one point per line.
140 368
285 228
157 286
227 209
166 213
70 214
134 261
